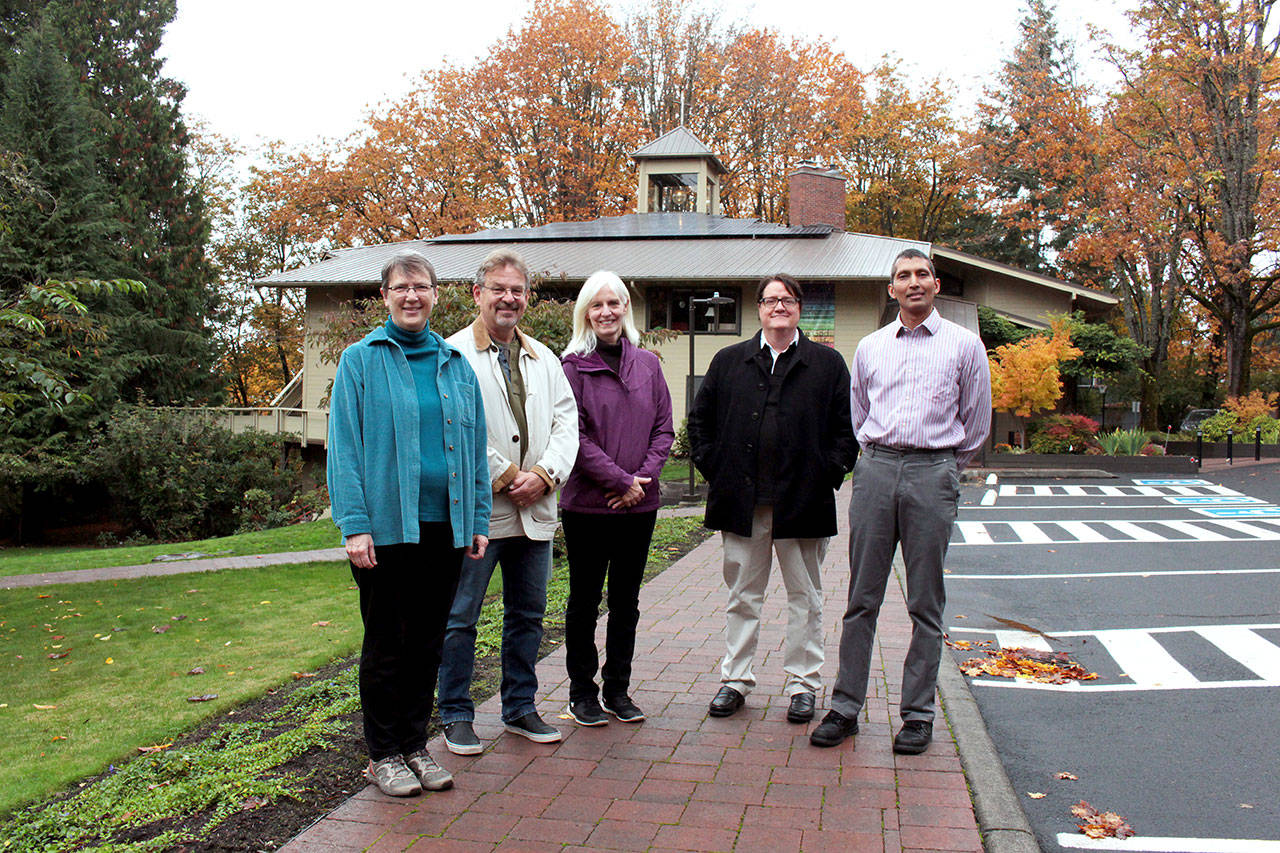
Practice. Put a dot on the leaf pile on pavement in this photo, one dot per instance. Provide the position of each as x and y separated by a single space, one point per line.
1029 664
1096 824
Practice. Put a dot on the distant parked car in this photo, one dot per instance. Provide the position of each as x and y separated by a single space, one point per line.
1195 417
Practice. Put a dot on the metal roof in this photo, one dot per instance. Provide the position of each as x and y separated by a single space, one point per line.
1103 299
639 226
660 247
829 255
679 142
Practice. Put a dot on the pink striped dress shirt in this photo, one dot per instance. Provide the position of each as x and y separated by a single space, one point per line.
927 388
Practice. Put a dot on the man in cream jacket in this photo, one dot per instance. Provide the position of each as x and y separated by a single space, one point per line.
533 440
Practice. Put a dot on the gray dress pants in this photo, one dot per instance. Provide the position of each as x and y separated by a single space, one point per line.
905 497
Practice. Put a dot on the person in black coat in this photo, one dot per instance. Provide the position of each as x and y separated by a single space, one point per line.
770 431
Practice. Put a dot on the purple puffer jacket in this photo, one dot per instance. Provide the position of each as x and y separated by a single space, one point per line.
624 426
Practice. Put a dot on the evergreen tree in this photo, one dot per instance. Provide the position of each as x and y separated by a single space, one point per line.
114 45
66 225
62 226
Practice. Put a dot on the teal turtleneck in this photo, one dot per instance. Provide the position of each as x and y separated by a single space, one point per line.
422 349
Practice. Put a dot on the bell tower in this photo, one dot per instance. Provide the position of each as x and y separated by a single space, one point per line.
678 174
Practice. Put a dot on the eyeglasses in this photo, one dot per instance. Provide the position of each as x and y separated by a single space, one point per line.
513 292
773 301
405 289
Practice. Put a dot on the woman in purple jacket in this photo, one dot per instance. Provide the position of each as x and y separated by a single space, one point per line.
610 501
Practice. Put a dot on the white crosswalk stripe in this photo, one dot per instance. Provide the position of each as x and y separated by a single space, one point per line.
1143 661
1094 531
1009 490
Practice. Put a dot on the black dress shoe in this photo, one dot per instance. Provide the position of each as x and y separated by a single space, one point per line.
727 702
913 738
833 729
801 708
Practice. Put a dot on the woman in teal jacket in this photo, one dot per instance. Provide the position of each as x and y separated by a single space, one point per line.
409 487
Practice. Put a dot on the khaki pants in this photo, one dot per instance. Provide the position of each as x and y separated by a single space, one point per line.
747 561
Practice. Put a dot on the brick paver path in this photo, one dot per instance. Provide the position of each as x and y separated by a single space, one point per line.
682 780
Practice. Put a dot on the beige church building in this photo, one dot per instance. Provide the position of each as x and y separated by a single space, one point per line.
677 248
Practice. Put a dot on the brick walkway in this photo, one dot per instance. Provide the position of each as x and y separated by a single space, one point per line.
682 780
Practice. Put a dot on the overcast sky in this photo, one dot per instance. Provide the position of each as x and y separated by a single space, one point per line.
300 70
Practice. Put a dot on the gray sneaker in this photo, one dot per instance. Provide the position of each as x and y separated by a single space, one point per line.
461 739
432 776
393 777
532 727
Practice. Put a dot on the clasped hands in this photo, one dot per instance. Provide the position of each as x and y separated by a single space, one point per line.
631 496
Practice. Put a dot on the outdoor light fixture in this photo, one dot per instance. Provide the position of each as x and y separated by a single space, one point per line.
713 303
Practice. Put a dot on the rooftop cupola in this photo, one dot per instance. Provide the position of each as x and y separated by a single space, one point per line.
678 173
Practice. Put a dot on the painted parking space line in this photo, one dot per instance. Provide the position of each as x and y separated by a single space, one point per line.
1150 573
1211 500
979 533
1136 531
1144 661
1245 646
1140 656
1151 844
1240 512
1009 490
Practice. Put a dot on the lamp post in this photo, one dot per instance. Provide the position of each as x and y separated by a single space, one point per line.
713 303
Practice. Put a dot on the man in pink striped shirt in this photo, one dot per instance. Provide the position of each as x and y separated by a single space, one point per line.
921 406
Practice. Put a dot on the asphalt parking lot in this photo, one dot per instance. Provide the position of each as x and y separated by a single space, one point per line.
1168 588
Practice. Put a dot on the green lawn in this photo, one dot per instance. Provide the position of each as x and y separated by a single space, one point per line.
307 536
122 685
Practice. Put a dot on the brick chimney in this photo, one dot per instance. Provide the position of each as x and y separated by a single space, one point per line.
815 196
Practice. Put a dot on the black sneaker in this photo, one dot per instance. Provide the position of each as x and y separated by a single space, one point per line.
833 729
624 709
461 739
586 712
532 727
913 738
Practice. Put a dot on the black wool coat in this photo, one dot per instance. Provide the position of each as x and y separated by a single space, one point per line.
816 445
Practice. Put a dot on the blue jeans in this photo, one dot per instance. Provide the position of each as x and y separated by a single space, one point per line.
526 568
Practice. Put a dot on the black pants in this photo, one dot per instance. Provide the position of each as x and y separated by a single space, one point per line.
599 544
404 604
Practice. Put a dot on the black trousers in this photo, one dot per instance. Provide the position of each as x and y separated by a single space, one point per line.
600 544
404 604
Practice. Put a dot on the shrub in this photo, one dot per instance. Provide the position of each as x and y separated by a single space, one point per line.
1123 442
1270 429
1152 449
1215 427
1063 434
172 476
1252 405
680 447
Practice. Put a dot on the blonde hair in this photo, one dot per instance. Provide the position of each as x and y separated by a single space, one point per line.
584 339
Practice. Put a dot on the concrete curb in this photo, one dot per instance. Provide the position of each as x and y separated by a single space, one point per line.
1001 821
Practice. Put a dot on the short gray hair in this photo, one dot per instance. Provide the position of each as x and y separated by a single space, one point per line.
499 258
406 262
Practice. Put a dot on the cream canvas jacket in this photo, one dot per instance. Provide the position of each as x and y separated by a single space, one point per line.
552 417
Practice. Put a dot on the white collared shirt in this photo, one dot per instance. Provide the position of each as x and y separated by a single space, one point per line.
764 343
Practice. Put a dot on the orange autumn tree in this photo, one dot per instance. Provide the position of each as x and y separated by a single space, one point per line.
1025 376
1209 70
1032 148
902 154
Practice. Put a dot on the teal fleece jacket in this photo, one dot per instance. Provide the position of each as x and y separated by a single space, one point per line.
374 461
